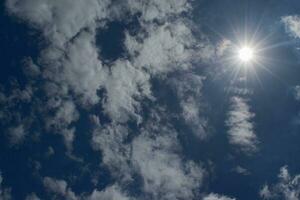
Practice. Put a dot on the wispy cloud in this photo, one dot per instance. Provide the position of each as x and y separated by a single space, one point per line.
241 128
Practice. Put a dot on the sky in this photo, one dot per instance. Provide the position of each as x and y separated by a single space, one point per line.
149 100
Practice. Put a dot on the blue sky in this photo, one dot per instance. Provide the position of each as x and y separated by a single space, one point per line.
129 100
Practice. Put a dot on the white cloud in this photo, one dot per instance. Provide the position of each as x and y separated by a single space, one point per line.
81 69
16 134
124 89
213 196
287 187
109 193
165 175
158 10
59 187
241 128
188 88
14 121
167 47
297 92
265 192
32 196
241 170
71 62
60 122
154 155
73 71
292 24
5 193
115 154
59 20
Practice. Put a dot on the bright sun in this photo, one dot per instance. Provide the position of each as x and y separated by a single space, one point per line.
246 54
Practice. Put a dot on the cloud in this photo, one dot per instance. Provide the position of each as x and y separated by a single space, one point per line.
109 193
59 20
166 47
296 91
60 122
287 187
5 193
115 154
82 71
59 187
158 10
71 63
154 155
72 75
292 25
125 89
13 120
241 128
16 134
213 196
32 196
165 175
240 170
265 192
188 88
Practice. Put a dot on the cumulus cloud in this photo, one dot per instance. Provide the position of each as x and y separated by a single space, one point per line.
59 187
265 192
158 10
167 47
60 122
71 62
188 88
125 89
16 134
109 193
213 196
165 175
73 73
292 25
14 121
154 155
115 154
241 128
59 20
287 187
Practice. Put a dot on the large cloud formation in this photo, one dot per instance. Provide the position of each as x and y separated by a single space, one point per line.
71 73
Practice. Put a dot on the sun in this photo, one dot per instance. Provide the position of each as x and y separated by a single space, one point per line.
246 54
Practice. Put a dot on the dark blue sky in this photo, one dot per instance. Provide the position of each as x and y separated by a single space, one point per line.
188 115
